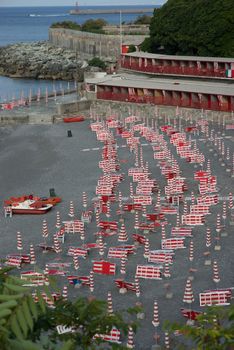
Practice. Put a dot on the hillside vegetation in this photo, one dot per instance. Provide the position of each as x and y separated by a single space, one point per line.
91 25
193 27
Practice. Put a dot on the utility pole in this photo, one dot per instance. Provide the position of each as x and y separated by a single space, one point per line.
120 31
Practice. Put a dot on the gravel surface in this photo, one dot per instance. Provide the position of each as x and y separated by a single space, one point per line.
34 159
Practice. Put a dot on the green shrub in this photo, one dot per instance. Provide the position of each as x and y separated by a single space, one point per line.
66 25
94 26
193 27
97 62
131 48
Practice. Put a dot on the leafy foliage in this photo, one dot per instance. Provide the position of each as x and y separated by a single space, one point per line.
91 25
94 26
66 25
97 62
86 317
131 48
144 19
193 27
18 313
214 330
27 325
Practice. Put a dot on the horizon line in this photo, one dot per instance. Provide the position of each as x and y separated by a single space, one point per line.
84 5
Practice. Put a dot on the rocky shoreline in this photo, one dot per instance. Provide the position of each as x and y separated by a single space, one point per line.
40 60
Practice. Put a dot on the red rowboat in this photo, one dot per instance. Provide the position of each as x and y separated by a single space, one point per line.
73 119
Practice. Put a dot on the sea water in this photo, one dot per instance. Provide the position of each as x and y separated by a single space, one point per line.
27 24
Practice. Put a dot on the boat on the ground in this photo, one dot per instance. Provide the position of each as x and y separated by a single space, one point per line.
31 204
76 119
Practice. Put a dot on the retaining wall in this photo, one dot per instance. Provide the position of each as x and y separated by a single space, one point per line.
101 108
73 107
88 45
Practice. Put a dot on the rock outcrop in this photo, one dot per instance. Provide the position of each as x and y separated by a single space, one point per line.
40 60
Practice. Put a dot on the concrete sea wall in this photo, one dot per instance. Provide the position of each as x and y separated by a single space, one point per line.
88 45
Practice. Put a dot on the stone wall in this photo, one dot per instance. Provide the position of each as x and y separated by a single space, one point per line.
122 109
142 29
73 107
88 45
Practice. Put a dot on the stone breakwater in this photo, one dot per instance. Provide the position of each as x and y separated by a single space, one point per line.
40 60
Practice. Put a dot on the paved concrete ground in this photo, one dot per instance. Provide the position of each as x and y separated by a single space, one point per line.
34 159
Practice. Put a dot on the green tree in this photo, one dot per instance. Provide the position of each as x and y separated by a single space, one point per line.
97 62
18 313
66 25
27 325
87 316
193 27
132 48
214 330
144 19
94 25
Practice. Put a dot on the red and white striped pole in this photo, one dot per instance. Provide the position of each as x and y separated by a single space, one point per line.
131 190
58 220
101 245
224 213
108 210
122 237
218 223
192 198
228 153
97 215
146 248
130 343
167 272
109 304
45 232
208 237
208 167
144 210
76 262
82 234
141 157
84 198
155 321
188 293
46 271
57 248
123 265
178 219
230 201
185 209
191 250
71 210
158 202
137 286
167 341
146 167
136 157
136 225
163 231
216 277
233 165
120 200
91 281
19 241
32 255
65 293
